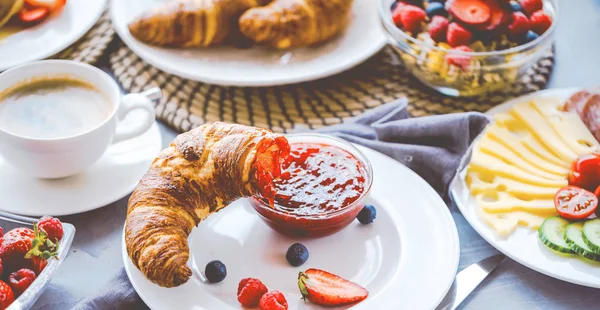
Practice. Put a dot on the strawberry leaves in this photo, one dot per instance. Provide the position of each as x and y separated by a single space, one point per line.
41 246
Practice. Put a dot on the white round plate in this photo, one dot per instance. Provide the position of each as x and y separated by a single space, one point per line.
113 177
408 257
523 245
53 35
258 66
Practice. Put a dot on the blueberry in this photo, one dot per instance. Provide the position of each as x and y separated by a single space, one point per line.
440 1
297 254
418 3
530 36
435 8
515 6
215 271
367 214
394 5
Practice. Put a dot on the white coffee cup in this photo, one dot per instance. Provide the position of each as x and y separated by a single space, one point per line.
62 157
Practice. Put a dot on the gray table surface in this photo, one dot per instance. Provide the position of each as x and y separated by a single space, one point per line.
96 252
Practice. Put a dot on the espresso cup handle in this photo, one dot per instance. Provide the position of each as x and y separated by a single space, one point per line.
129 103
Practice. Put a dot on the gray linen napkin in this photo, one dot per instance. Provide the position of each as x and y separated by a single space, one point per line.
431 146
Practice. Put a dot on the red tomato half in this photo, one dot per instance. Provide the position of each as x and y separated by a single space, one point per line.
572 202
585 172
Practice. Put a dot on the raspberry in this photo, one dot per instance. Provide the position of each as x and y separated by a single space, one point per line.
519 25
1 267
412 18
250 291
7 296
1 232
530 6
461 61
52 227
457 35
437 28
273 300
396 14
20 280
540 22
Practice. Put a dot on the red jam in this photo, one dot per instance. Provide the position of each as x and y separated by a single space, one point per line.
317 182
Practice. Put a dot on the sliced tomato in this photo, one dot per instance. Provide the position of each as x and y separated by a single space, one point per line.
573 203
585 172
33 15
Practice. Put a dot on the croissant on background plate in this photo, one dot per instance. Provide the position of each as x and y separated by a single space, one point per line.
276 23
200 173
190 23
294 23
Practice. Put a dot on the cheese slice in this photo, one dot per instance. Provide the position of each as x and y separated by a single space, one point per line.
529 149
482 162
568 126
502 202
505 223
496 149
478 182
542 130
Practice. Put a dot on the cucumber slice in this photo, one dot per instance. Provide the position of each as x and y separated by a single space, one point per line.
552 233
591 235
574 238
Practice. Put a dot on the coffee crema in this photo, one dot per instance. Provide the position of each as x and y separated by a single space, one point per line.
52 107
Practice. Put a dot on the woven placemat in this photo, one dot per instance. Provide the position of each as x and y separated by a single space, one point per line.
187 104
93 44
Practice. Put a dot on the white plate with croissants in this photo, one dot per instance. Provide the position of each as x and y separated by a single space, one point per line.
231 216
250 42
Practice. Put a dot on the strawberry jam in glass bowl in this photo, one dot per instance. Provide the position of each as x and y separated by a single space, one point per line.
322 187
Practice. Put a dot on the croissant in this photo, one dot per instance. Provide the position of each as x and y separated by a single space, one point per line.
190 23
200 173
293 23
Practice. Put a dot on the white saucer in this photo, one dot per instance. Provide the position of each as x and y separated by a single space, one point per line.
258 66
407 258
113 177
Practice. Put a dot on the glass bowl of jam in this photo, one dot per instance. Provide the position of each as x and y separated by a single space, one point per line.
322 187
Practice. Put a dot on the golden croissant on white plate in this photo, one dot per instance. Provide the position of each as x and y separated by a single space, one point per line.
190 23
200 173
294 23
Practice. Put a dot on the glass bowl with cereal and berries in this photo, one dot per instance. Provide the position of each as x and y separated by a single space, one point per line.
31 251
469 47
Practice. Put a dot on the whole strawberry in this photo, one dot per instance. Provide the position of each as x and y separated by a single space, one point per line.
13 247
52 227
26 248
7 296
20 280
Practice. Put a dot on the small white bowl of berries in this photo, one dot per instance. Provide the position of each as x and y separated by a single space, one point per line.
469 47
31 251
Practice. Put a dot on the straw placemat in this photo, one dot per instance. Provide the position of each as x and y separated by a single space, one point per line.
187 104
93 44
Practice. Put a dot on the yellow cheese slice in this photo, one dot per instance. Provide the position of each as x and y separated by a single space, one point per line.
505 223
529 149
502 202
496 149
482 162
478 182
540 128
568 126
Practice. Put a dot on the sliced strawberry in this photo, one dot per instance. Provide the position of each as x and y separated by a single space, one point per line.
49 4
326 289
31 16
499 16
471 12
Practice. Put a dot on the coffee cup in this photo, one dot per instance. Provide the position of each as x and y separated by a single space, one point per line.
67 136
